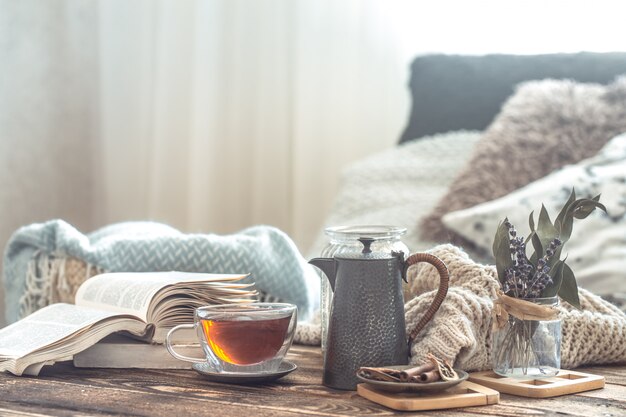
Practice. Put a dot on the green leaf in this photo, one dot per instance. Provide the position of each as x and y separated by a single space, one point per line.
537 247
545 226
579 209
556 273
565 228
545 229
502 251
556 257
496 239
569 290
558 223
586 207
531 236
531 221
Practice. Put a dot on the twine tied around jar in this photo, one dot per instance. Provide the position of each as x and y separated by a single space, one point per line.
521 309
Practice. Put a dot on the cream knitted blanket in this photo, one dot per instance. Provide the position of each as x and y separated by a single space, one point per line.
461 329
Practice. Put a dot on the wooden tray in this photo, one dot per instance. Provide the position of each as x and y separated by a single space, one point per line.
566 382
466 394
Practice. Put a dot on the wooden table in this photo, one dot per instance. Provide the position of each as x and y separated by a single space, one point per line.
63 390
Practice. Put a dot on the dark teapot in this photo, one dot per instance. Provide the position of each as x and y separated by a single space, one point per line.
366 324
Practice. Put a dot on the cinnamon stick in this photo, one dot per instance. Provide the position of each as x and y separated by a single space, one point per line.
406 375
430 376
380 374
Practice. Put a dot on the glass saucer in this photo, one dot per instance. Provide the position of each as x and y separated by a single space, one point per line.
414 386
203 369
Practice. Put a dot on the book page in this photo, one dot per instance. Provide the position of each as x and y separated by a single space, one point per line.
132 292
46 327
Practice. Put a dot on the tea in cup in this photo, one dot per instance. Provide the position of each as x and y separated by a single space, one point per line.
242 338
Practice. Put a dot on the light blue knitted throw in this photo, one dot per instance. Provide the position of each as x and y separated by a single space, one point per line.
265 252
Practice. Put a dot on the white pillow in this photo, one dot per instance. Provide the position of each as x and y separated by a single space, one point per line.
399 185
597 248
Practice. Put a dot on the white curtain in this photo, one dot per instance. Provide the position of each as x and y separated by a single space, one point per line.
222 114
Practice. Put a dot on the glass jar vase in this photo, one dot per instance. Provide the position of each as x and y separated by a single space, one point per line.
528 348
345 240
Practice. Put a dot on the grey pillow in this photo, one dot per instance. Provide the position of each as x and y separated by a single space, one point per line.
544 126
453 92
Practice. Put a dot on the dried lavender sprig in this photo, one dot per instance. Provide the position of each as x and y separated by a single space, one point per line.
522 277
517 276
522 266
541 278
513 282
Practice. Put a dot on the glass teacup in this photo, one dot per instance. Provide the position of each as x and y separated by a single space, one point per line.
242 338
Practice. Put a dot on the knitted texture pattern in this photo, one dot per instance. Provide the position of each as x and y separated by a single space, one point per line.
309 333
461 329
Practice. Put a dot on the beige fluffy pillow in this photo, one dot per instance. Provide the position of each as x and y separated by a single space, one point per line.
544 126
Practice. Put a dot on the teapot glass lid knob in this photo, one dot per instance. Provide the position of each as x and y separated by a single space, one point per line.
366 241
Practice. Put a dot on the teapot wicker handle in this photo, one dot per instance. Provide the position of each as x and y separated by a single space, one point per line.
444 278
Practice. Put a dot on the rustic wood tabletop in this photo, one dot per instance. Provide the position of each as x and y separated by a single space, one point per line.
62 390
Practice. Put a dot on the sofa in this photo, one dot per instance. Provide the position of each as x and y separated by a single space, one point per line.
495 136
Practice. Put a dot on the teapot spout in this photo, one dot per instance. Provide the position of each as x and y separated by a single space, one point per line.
328 267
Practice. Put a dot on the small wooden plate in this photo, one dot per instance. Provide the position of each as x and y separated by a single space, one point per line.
466 394
566 382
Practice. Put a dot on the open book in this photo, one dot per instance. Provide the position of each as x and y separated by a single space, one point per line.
144 304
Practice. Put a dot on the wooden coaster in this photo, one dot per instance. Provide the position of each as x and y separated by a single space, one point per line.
466 394
566 382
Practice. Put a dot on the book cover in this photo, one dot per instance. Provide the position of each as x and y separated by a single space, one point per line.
118 351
